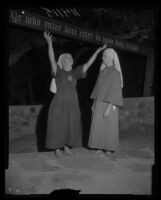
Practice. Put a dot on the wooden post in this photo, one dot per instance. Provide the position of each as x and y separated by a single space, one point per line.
148 82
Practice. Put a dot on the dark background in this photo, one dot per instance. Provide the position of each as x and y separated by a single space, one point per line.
30 76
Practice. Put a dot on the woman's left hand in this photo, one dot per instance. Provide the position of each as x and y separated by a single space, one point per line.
102 48
106 113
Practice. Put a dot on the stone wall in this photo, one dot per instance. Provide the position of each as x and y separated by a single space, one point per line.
22 120
137 113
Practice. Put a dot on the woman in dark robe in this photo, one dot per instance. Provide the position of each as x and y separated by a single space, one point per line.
64 128
107 95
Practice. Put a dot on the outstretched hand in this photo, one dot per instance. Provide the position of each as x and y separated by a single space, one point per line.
48 36
102 48
92 59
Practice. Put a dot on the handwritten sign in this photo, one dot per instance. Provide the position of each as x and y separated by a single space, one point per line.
43 23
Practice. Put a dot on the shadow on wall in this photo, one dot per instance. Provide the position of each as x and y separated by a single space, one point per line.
85 107
41 126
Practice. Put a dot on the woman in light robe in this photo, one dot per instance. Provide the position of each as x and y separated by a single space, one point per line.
107 95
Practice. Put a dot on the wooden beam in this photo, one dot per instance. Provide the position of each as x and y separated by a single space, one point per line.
41 23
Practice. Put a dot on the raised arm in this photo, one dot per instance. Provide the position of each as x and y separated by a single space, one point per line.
48 39
93 57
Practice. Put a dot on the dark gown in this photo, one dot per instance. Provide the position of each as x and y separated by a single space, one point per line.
64 119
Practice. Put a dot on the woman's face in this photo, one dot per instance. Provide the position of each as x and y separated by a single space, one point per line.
106 58
67 62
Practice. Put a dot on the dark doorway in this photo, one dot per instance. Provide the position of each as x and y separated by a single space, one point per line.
133 70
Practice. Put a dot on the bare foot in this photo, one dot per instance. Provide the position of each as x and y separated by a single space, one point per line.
100 154
58 152
68 151
109 152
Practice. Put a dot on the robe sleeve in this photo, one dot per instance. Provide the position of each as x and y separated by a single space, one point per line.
114 94
78 72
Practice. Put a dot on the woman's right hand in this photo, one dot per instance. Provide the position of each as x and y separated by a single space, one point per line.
48 37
